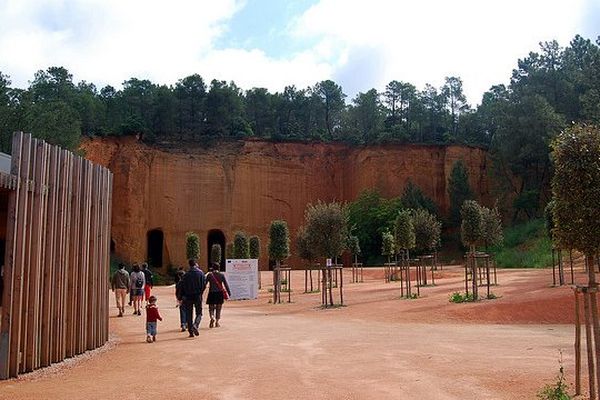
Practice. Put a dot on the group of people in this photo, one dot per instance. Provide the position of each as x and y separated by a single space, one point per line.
189 290
138 285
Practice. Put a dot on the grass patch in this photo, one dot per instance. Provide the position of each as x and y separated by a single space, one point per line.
457 297
525 245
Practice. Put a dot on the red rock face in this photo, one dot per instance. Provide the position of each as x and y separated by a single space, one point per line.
246 185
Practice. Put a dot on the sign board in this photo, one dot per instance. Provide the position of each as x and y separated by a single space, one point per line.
242 276
329 263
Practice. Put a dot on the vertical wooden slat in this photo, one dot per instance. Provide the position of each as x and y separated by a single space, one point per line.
92 282
35 258
71 278
25 319
108 227
19 270
49 265
59 259
86 251
66 246
11 269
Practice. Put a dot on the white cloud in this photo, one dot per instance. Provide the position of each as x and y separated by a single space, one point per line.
361 44
424 41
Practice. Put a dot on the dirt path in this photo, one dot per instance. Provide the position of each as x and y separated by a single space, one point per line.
364 351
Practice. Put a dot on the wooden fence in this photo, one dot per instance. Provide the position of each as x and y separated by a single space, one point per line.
55 302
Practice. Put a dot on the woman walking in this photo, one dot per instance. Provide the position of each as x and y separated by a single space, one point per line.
137 282
218 292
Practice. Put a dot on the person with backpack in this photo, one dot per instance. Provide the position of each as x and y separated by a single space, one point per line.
192 288
149 283
218 292
137 282
120 286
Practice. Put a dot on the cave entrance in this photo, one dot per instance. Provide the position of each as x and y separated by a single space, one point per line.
155 248
215 236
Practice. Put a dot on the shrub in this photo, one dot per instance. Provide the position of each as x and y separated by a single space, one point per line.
192 246
254 247
215 253
241 246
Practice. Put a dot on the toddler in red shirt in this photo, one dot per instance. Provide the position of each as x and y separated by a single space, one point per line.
152 315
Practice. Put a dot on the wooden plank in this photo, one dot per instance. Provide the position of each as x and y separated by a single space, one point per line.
108 227
15 347
66 251
50 266
75 240
35 255
59 259
10 269
25 328
92 282
85 264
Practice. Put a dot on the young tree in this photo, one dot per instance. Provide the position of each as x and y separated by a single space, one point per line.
427 230
471 226
354 247
215 253
192 246
279 250
471 233
305 252
387 245
576 191
327 233
491 227
241 247
404 233
459 190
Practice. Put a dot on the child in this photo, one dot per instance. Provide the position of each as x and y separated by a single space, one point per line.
152 315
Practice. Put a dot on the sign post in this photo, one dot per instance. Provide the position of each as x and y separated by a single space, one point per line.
242 276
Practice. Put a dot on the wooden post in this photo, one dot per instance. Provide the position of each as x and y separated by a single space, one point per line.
590 347
553 268
577 345
12 272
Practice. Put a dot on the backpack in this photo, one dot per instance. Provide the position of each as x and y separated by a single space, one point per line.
139 282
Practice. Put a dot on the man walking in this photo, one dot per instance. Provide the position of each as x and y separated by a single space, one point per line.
120 286
192 288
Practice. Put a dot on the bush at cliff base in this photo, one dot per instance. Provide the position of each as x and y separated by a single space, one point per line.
254 247
241 246
192 246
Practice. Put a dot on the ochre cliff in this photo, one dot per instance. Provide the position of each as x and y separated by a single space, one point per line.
246 185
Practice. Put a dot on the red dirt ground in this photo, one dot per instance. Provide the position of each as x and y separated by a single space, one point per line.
377 347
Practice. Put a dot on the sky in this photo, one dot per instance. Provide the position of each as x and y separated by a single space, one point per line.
275 43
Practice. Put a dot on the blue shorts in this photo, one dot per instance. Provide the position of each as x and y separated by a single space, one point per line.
137 292
151 328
